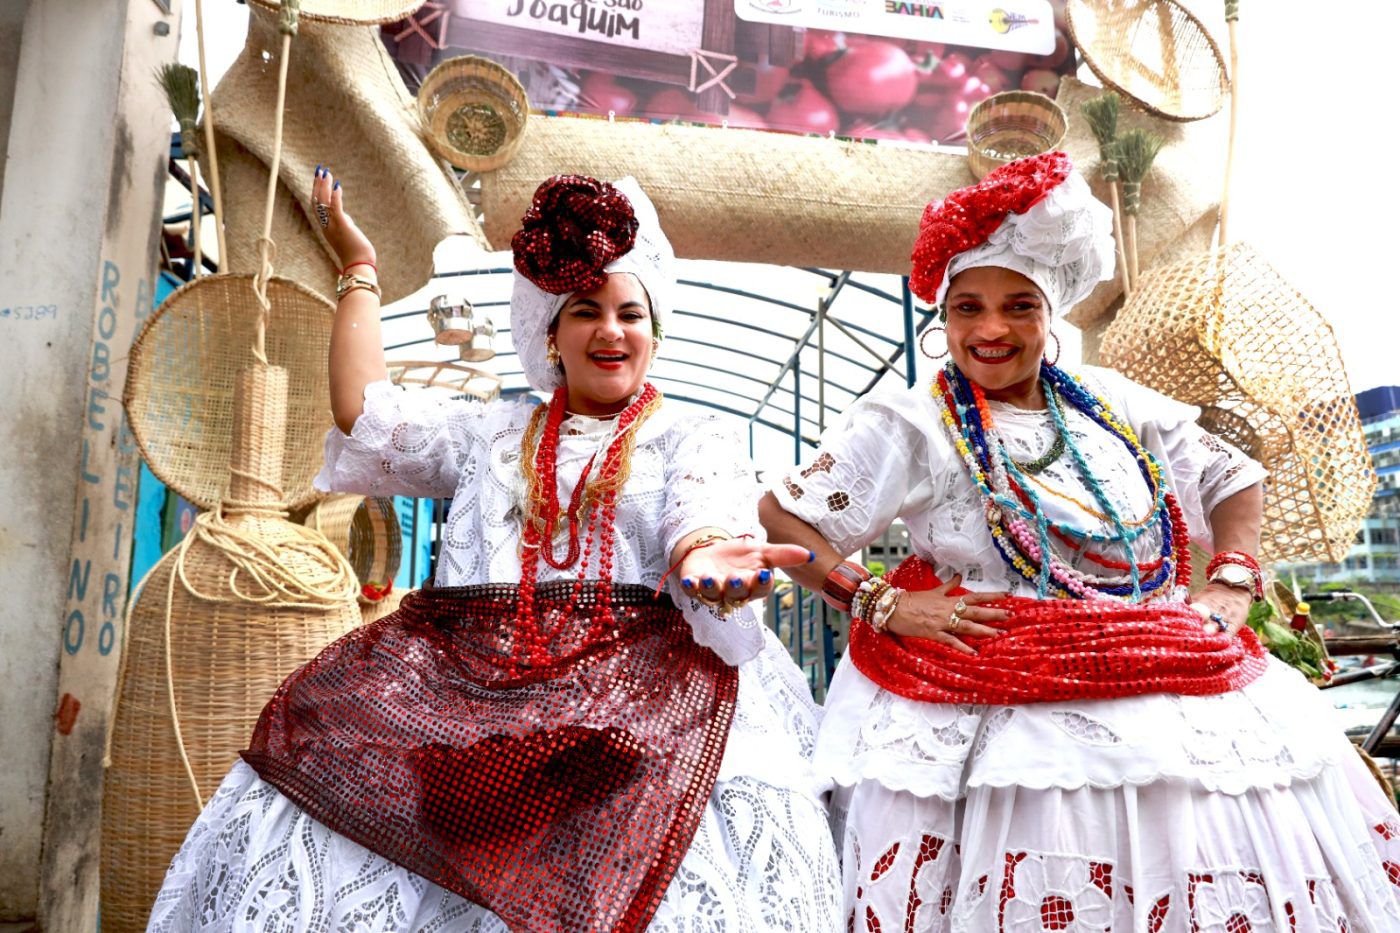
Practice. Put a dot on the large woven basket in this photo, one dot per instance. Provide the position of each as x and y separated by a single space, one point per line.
199 664
474 112
365 530
1227 333
1012 125
1154 51
350 12
185 362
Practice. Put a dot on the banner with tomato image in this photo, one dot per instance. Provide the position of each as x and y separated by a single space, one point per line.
764 65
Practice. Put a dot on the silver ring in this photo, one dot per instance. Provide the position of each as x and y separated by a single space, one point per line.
1220 624
323 213
960 607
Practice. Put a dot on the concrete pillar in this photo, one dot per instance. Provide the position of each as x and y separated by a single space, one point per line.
86 144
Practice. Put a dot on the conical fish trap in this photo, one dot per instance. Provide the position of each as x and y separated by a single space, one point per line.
1225 332
365 529
180 381
220 622
1153 51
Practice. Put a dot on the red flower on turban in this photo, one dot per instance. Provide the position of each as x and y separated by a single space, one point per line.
574 227
968 216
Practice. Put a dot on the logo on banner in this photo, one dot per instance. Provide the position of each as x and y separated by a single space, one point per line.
1003 22
777 6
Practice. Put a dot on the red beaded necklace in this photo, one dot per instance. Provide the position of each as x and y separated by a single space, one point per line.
537 535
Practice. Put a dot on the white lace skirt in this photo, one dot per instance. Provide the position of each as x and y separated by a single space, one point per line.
1240 813
761 860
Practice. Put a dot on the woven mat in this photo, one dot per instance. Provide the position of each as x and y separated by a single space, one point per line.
346 108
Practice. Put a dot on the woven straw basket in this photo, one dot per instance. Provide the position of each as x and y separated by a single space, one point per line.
185 362
373 612
200 662
474 112
351 12
1154 51
363 529
1227 333
1012 125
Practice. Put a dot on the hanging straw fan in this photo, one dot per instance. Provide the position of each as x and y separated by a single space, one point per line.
1224 331
185 362
366 531
352 12
1154 51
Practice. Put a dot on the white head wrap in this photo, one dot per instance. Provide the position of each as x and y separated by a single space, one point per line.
532 309
1064 245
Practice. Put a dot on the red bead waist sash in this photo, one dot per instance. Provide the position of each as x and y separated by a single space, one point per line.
561 798
1062 649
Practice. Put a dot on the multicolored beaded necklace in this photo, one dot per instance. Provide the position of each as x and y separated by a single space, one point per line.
1017 520
598 499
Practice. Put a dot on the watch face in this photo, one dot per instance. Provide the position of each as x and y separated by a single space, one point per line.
1234 574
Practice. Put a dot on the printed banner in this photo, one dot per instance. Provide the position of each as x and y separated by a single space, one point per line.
655 25
1009 25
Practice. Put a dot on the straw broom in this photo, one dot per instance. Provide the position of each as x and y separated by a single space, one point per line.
1101 113
181 86
1135 150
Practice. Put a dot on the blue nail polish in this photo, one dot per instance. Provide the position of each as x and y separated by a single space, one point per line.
764 576
735 583
811 556
336 186
318 170
707 581
688 583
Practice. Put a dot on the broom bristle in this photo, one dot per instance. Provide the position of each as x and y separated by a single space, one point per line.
1101 113
181 86
1134 153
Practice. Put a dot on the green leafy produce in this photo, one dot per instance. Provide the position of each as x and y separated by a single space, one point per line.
1296 649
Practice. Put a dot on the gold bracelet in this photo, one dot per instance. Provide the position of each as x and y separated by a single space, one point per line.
341 293
348 282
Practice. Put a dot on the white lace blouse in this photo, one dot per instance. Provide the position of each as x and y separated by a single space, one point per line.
890 457
686 473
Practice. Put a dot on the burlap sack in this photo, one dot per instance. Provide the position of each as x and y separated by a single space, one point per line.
348 109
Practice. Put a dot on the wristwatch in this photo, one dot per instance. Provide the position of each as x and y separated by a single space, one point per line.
1240 577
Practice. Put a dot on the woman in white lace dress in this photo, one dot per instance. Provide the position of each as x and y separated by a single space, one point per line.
1028 756
538 741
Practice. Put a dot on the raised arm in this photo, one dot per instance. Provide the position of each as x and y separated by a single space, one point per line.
357 345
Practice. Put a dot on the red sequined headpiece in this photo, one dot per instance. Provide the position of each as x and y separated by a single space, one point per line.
574 227
968 216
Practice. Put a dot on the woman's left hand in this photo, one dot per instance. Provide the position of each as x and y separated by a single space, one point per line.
1229 604
729 573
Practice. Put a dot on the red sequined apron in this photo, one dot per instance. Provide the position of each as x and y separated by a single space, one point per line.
1063 649
561 799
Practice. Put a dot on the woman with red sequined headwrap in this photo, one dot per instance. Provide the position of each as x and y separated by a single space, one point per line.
1039 724
559 735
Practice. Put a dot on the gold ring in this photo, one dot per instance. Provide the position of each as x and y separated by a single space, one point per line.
955 622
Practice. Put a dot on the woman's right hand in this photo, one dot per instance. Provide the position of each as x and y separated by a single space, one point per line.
929 614
345 237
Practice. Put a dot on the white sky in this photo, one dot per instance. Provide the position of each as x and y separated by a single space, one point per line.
1311 190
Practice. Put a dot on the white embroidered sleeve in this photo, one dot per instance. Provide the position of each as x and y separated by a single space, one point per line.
405 443
1204 469
710 483
869 469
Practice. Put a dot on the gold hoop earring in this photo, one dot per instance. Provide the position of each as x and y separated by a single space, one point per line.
551 352
1056 338
925 351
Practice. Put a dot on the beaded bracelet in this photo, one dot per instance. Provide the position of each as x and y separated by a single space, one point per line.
880 620
842 584
867 596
